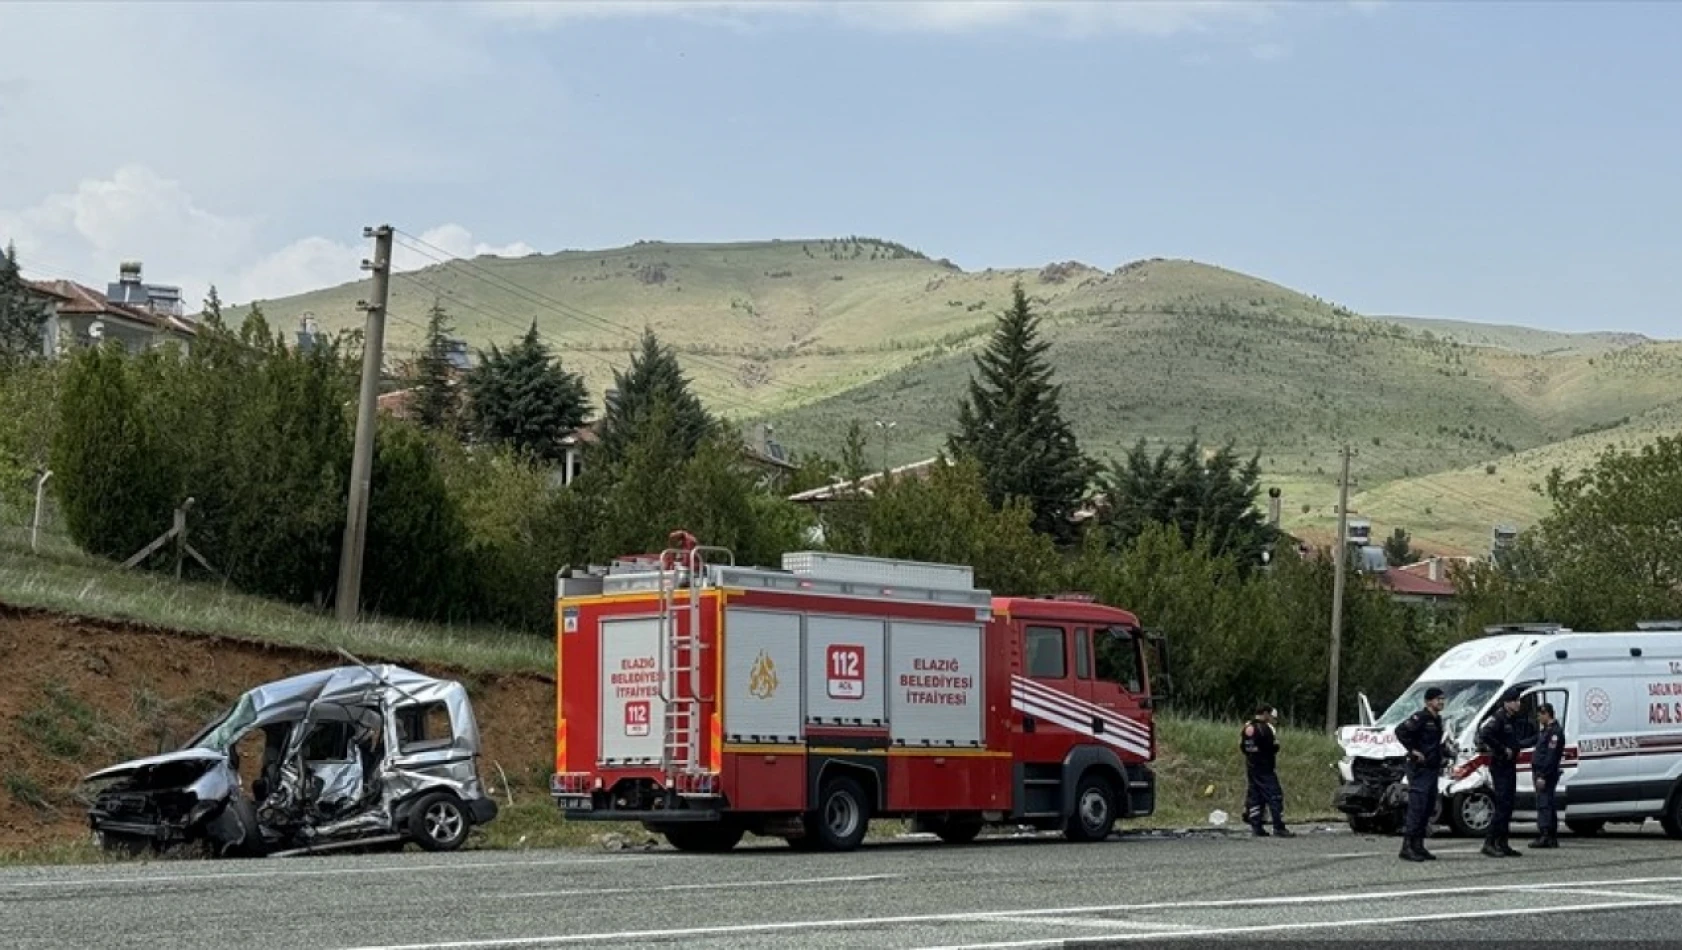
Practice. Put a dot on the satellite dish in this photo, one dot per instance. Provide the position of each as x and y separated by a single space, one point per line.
96 329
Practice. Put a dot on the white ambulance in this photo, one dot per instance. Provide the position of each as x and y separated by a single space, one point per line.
1618 696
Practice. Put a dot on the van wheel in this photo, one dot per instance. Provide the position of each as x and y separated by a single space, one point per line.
842 816
1587 827
438 822
1094 815
710 838
1470 813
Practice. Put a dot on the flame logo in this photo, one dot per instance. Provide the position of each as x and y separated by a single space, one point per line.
762 679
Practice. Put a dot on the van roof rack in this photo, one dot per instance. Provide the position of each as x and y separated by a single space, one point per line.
1658 625
1525 628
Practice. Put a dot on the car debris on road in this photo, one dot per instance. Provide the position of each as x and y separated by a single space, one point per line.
353 756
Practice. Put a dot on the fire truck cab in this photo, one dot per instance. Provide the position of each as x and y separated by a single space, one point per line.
708 700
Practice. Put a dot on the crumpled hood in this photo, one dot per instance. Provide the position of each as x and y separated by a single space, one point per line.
136 765
1370 742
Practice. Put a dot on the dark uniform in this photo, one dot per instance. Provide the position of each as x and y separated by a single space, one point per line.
1546 762
1422 735
1498 739
1260 746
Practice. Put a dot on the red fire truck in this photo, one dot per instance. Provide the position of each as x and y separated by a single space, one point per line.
707 700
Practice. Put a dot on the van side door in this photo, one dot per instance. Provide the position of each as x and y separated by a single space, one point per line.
1560 698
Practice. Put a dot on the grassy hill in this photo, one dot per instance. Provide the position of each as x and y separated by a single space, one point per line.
811 334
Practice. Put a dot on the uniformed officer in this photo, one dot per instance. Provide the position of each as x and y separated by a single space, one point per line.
1545 765
1421 734
1260 745
1498 739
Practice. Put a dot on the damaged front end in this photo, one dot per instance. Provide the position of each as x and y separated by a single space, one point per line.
352 757
184 798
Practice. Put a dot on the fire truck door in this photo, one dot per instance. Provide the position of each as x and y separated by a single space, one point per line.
1047 701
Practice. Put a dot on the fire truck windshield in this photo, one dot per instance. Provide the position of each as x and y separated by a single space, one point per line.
1121 659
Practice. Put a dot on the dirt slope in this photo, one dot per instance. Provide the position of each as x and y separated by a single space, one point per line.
78 694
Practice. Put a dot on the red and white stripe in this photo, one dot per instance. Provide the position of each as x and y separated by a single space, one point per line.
1076 715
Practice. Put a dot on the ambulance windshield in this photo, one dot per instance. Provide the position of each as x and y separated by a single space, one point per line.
1462 700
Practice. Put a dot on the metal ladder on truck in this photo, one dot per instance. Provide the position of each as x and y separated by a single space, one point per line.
682 686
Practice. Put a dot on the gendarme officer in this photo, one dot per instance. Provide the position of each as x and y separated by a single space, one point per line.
1498 738
1547 759
1260 745
1422 735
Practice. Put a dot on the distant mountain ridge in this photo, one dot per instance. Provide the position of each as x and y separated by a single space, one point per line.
810 334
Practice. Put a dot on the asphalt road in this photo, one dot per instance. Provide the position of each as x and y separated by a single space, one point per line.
1129 890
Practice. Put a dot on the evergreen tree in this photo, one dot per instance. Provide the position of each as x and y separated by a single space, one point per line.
525 398
1012 425
654 377
1398 548
435 390
22 313
1214 497
112 483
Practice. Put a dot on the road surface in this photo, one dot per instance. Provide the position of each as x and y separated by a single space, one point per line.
1132 889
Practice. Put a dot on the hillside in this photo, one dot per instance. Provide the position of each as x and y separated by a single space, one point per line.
812 334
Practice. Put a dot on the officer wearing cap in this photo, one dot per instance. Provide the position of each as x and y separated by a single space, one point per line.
1545 764
1421 734
1498 739
1260 746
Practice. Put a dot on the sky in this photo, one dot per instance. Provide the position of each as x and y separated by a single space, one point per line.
1491 161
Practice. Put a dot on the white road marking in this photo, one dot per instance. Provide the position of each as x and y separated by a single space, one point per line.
1306 925
718 885
1111 923
1392 854
973 917
317 872
1627 895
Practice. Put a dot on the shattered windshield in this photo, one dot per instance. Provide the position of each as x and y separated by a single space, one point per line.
219 737
1462 700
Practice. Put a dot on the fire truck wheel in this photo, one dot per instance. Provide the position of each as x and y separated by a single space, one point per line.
842 816
1094 815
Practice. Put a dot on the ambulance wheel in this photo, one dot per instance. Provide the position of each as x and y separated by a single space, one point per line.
1094 815
1671 820
1470 813
842 816
713 838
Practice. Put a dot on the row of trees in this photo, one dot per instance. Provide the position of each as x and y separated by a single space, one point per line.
468 521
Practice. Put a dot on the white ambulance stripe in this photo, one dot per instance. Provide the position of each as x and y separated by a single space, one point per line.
1022 704
1110 716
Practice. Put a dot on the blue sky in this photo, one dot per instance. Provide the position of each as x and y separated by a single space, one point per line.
1490 161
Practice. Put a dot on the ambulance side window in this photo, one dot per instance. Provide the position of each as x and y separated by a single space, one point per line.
1047 653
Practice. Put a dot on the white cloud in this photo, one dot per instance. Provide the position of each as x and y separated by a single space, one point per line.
137 214
1083 17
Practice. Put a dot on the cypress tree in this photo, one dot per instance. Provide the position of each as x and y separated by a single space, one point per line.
1012 425
525 398
21 313
436 396
654 378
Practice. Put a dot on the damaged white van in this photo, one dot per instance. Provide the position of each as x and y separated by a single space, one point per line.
1617 695
353 756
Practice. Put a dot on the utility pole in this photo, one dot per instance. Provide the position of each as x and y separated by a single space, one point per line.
362 462
1341 551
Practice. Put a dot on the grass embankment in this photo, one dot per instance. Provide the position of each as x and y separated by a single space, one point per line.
108 670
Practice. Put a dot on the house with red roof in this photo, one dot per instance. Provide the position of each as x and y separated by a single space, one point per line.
138 315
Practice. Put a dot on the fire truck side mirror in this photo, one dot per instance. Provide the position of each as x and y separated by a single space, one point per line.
1162 680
